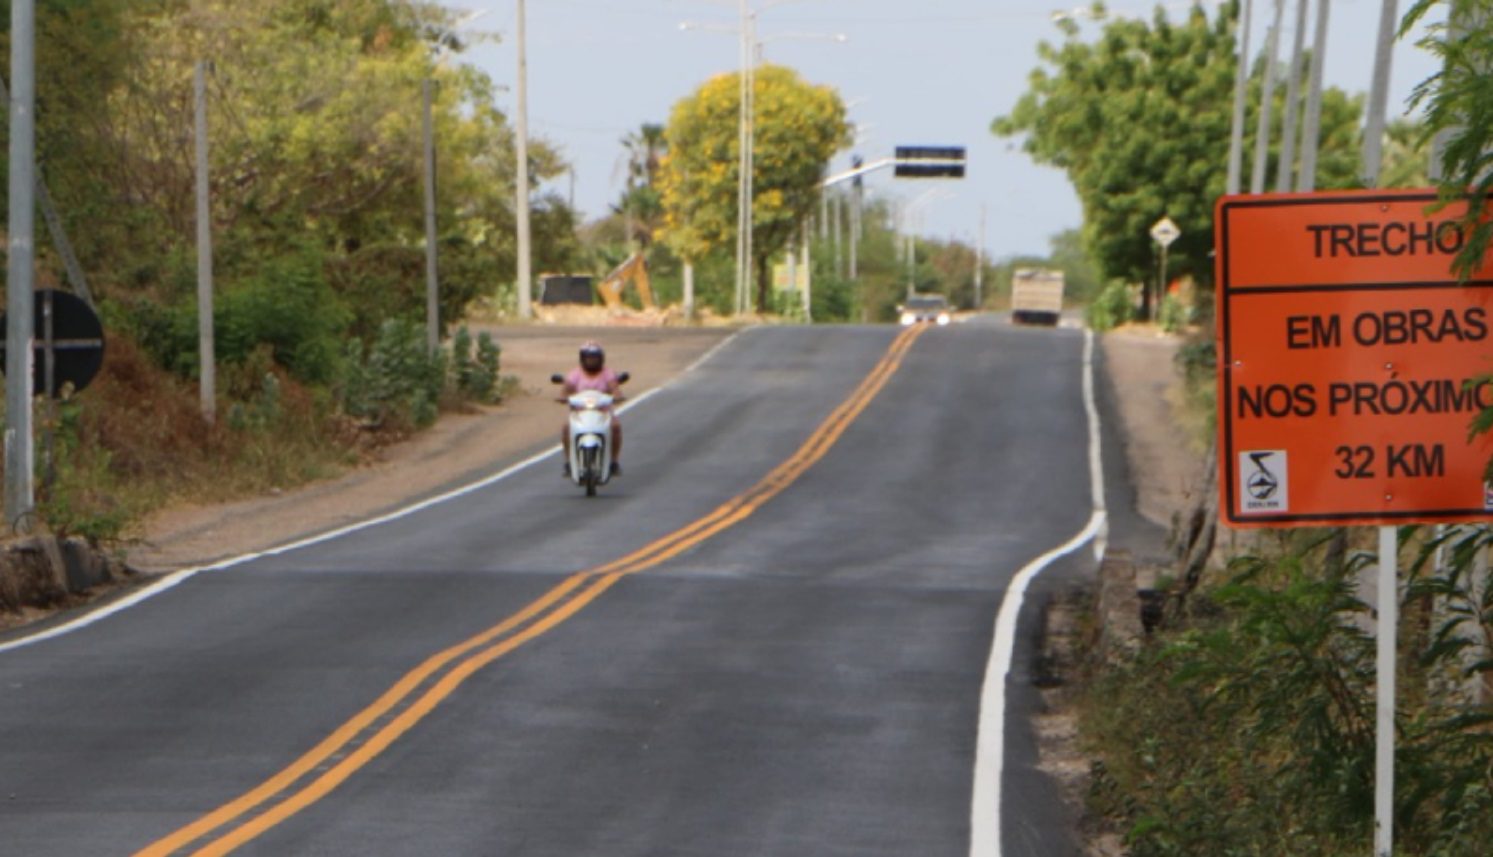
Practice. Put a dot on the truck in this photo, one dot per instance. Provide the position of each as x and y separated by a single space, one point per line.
1036 296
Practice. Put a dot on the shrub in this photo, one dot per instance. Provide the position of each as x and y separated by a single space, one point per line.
1111 308
1249 729
397 379
1171 315
285 304
475 375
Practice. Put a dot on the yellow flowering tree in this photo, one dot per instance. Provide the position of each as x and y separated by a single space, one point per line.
798 127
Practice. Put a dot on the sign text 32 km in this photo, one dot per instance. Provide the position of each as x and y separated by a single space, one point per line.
1351 362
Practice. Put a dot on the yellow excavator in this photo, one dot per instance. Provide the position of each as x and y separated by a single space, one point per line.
634 269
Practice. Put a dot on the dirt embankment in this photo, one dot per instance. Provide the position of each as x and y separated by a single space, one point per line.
1161 443
1166 466
460 447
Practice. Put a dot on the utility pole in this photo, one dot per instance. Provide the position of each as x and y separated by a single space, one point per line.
432 287
521 155
1373 132
20 496
980 262
808 275
1306 180
857 201
1293 92
741 163
206 353
751 134
837 211
1267 97
1241 81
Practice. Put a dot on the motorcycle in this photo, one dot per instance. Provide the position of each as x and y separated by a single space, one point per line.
590 436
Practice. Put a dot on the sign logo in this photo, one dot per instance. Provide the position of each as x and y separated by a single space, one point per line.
1264 482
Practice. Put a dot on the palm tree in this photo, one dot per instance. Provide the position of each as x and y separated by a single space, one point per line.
645 150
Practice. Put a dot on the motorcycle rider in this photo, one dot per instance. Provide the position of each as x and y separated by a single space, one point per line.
592 374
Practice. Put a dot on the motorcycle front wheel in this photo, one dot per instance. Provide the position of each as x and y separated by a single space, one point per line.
589 457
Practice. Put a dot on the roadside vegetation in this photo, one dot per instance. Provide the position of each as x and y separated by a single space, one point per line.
315 138
314 129
1243 725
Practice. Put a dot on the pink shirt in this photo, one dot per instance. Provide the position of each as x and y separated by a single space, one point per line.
579 381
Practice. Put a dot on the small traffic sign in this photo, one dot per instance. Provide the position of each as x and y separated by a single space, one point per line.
1165 232
77 342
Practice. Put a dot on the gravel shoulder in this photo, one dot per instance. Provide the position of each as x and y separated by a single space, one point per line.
1164 456
458 449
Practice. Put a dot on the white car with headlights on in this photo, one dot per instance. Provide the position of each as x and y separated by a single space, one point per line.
924 309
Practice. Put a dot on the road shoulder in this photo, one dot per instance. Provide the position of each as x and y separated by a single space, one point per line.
458 449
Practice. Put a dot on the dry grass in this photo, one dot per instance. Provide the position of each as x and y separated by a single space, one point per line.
135 441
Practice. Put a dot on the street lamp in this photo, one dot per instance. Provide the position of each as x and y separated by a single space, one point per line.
837 38
751 49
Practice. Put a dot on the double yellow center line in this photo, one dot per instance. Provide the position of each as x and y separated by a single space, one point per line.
368 733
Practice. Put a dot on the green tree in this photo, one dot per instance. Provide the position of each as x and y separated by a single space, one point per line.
798 127
1459 107
315 121
1140 120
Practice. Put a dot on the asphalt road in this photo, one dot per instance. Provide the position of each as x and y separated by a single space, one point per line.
798 675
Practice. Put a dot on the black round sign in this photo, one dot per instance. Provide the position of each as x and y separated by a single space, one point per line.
77 342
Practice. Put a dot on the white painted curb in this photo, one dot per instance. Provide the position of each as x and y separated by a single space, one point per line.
990 745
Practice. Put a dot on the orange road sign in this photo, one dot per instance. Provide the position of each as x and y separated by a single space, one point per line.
1351 361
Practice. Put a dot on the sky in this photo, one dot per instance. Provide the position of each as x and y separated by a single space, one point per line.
931 72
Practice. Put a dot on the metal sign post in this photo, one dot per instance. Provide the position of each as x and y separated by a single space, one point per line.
1164 232
1384 692
65 358
1347 375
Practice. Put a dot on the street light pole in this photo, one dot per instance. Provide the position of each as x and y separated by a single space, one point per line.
1373 132
521 156
1267 94
1241 82
1293 92
432 293
1306 179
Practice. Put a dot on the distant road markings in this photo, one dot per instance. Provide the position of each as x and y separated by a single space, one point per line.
372 730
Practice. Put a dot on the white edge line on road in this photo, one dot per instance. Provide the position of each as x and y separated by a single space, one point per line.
172 579
990 745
